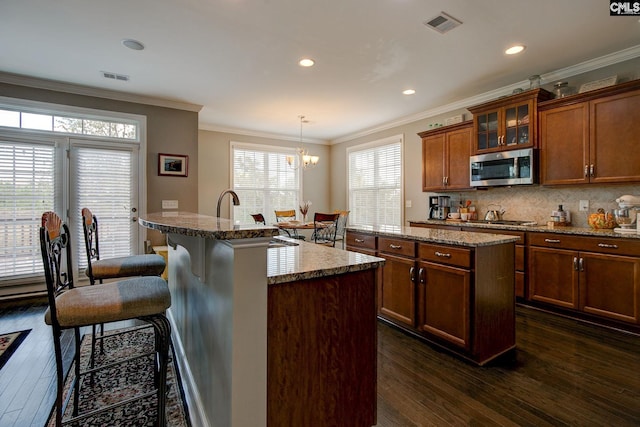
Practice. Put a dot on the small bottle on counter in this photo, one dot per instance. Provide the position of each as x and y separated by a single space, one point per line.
562 215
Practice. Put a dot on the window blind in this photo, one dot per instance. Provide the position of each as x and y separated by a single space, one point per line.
375 184
27 189
102 182
264 182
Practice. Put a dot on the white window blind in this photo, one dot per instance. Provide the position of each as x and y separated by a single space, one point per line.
102 183
375 183
27 189
263 181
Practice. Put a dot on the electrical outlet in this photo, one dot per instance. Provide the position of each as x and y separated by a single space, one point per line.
584 205
407 203
169 204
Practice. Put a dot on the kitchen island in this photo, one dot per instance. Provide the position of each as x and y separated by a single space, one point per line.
269 332
451 288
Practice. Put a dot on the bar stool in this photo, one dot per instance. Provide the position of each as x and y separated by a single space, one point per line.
112 268
145 298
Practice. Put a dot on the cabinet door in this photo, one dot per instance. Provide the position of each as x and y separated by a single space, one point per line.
458 151
610 286
433 161
488 132
553 276
615 138
444 302
517 120
396 296
564 145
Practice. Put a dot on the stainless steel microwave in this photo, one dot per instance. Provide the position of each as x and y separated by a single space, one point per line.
513 167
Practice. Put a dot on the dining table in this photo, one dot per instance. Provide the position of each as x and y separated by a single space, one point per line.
292 227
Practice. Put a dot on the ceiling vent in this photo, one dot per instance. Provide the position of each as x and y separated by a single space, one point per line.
442 23
115 76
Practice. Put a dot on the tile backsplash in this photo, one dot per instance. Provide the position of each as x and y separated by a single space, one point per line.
536 202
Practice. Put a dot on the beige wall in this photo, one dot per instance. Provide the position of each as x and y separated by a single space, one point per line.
168 131
214 173
525 202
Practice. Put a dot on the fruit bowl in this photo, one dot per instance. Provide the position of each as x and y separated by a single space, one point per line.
602 220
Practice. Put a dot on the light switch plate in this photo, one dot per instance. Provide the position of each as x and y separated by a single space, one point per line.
407 203
169 204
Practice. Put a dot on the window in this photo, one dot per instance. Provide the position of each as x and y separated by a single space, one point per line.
62 159
27 189
263 181
375 183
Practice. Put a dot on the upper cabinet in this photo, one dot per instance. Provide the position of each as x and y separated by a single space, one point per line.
445 157
592 137
507 123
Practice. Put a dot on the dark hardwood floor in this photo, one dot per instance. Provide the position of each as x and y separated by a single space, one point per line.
563 373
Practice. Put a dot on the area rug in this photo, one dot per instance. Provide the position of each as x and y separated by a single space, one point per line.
9 344
124 381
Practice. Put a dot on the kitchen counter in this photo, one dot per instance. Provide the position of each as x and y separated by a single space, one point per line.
242 303
579 231
448 237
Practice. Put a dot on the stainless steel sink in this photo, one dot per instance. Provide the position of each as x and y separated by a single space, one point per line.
277 243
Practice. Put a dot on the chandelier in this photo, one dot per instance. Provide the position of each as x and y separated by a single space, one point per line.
302 158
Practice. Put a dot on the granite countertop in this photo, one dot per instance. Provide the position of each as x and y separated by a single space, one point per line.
581 231
431 235
299 260
197 225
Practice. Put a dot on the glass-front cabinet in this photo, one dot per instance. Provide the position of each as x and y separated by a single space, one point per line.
507 123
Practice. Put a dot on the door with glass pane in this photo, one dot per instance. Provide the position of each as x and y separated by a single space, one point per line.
104 178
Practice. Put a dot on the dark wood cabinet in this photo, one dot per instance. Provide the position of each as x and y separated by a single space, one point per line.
445 157
598 276
507 123
397 288
592 137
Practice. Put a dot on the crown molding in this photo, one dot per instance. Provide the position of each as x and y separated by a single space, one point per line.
583 67
259 134
20 80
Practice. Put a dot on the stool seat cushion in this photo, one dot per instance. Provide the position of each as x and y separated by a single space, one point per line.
110 302
127 266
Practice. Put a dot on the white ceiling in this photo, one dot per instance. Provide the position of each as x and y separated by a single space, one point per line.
238 58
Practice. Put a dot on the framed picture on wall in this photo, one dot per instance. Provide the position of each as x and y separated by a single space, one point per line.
173 164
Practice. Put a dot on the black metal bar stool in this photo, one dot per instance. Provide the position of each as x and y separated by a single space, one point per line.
145 298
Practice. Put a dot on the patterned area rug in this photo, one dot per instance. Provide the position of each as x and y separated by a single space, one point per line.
9 344
124 381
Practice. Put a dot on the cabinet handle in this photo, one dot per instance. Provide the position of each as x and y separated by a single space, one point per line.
358 240
552 240
606 245
591 170
443 255
395 246
581 264
412 276
586 170
575 263
421 275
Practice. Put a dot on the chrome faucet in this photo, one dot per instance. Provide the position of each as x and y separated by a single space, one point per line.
236 200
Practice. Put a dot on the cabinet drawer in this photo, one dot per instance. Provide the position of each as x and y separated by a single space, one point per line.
397 246
606 245
445 255
360 240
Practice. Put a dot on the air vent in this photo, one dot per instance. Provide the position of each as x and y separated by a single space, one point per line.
442 23
114 76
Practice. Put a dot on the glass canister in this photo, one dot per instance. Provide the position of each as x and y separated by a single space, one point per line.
562 89
534 81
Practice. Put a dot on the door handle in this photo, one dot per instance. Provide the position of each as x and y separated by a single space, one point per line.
575 263
421 276
412 276
581 264
395 246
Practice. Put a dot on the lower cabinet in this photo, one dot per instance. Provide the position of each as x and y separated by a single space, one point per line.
566 271
435 292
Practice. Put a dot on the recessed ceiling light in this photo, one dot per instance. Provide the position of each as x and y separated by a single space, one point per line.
306 62
515 49
133 44
408 92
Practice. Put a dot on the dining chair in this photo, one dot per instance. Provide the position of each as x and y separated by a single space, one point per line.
259 219
286 216
325 227
342 226
145 298
99 269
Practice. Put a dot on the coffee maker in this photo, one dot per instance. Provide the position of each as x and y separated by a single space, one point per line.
438 207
